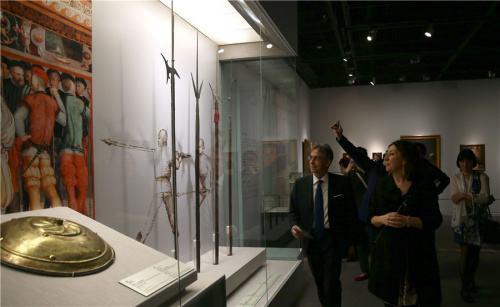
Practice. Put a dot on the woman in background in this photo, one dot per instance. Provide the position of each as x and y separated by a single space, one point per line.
405 210
470 192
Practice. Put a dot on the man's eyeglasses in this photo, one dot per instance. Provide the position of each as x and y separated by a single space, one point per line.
314 158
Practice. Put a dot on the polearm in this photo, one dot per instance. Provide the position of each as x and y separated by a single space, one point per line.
216 204
110 142
197 91
230 186
172 116
230 190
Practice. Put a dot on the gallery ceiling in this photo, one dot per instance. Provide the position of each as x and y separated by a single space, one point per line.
332 41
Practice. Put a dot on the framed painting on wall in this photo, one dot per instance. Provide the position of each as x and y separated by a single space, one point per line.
376 155
432 144
306 152
479 151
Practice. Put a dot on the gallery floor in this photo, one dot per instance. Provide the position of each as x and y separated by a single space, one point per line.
356 294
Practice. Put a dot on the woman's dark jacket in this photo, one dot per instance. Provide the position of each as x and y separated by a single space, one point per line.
395 246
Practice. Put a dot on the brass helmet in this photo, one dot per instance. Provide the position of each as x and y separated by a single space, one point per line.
53 246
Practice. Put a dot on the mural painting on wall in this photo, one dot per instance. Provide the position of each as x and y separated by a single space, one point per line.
46 105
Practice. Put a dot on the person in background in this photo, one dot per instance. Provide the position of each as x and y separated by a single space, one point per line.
470 192
405 210
359 180
343 165
432 171
323 215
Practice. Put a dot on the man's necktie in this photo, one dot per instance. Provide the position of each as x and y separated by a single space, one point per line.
319 215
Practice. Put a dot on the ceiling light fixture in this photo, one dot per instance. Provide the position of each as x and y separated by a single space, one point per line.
347 55
430 31
221 50
269 46
371 35
415 60
351 72
374 81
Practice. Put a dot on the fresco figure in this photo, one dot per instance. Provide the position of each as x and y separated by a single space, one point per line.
8 136
73 164
41 112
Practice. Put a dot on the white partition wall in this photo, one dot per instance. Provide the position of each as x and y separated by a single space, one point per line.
461 112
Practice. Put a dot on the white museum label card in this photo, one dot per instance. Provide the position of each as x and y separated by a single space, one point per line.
156 276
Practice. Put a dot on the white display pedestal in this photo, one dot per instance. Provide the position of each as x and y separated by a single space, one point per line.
20 288
279 271
237 268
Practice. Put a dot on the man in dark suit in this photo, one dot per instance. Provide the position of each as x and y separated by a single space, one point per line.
325 221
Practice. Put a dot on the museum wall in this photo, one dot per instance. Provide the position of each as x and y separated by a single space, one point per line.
133 104
461 112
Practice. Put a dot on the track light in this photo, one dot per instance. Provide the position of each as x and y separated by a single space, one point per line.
430 31
374 81
371 35
347 55
351 72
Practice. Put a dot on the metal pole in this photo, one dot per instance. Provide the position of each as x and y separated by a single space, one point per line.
230 190
174 161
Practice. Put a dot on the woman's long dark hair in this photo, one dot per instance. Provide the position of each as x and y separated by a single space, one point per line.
410 153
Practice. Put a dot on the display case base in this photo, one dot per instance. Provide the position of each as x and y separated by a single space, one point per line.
237 268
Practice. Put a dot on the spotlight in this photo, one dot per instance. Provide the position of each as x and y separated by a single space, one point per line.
371 35
221 50
347 55
374 81
319 47
430 31
269 46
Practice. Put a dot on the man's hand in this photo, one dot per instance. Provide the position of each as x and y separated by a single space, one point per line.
337 128
297 232
25 137
54 92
